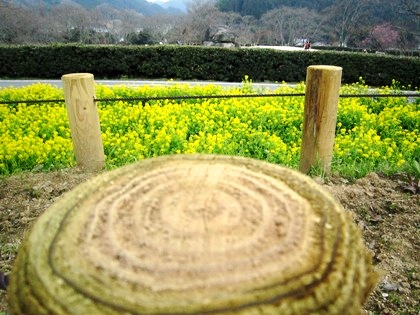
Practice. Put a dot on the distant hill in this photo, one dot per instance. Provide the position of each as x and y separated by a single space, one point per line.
141 6
176 4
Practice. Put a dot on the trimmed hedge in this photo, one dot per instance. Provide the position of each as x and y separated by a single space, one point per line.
201 63
394 52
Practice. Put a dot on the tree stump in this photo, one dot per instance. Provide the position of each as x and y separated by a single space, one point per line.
193 234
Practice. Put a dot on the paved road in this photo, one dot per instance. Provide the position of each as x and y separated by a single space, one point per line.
22 83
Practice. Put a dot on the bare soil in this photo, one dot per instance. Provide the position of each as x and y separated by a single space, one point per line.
386 212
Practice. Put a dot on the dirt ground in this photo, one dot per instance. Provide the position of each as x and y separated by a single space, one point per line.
385 209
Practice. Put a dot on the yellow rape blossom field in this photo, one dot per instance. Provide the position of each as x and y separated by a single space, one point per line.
372 134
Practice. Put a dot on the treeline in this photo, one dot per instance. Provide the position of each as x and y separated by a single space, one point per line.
249 7
362 23
368 24
376 10
70 23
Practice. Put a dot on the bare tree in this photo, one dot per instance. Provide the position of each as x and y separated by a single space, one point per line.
72 22
412 7
160 26
286 25
274 21
248 30
407 21
344 16
18 25
202 15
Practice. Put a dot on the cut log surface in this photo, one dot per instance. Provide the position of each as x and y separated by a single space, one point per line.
193 234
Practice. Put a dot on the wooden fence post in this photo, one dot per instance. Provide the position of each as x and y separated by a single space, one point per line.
82 112
320 117
194 234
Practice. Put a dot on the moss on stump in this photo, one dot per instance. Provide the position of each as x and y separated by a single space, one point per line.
193 234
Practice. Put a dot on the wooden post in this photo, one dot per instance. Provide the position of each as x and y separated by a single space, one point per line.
82 111
320 117
194 234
